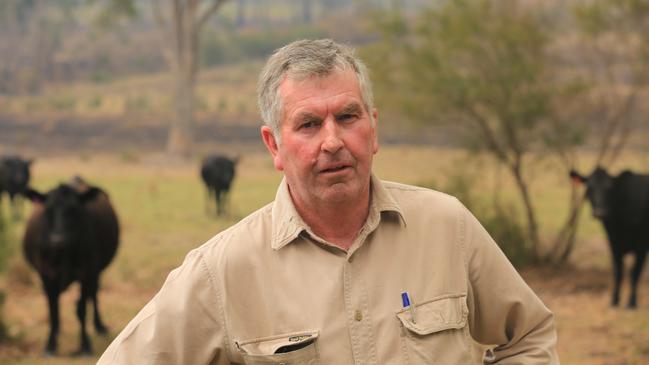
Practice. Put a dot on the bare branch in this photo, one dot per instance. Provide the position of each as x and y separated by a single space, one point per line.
166 32
626 126
489 134
614 123
208 12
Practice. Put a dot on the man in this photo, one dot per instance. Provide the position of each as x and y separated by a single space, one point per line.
342 268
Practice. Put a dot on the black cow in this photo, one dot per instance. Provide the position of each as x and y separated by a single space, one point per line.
217 173
14 178
622 204
72 235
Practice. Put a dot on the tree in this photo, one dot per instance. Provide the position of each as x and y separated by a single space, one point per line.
613 48
499 70
480 64
181 23
30 32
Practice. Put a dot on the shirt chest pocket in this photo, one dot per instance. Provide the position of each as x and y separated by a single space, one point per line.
434 331
299 348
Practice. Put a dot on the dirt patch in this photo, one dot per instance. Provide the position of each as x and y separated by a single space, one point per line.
590 330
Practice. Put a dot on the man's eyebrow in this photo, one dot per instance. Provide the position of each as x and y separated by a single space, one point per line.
352 108
302 116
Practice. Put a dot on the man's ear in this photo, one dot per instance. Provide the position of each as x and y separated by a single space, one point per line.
268 137
375 131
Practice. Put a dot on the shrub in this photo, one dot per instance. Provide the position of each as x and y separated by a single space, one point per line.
4 258
501 221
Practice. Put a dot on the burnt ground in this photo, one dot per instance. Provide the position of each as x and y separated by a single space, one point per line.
146 133
70 134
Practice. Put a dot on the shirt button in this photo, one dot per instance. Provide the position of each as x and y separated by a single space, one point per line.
358 315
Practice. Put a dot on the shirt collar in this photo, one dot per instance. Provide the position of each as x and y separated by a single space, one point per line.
287 224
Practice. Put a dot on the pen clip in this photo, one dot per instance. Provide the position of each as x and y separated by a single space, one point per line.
405 300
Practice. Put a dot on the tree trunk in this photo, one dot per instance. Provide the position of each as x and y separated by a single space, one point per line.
532 225
565 240
181 136
241 13
185 68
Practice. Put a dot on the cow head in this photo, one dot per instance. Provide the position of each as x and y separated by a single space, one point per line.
64 212
15 173
598 186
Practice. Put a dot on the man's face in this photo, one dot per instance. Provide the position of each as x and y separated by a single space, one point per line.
327 139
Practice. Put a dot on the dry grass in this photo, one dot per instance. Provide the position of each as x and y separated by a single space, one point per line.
161 206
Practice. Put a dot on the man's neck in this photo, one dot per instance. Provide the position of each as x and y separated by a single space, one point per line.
337 223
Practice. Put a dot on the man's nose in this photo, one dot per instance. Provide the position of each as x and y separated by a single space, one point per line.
332 141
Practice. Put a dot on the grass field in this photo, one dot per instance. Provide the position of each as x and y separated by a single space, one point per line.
161 205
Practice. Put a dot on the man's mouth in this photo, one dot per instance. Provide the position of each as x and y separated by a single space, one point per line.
334 169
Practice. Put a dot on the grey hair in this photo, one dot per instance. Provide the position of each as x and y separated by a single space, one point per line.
301 60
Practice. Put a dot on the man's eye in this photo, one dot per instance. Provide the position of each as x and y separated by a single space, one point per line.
308 125
345 117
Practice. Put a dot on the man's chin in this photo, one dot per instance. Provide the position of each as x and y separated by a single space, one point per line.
339 193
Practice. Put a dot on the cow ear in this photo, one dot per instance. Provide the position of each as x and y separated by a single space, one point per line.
91 194
577 179
35 196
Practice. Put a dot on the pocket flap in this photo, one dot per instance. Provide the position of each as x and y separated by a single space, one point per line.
438 314
270 345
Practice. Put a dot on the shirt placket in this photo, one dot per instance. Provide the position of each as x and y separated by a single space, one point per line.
358 315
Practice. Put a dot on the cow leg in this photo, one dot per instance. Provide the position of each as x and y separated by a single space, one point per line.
13 203
84 348
618 271
219 208
226 201
208 199
99 324
635 277
52 291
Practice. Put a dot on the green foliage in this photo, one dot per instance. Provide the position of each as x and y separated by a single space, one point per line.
137 103
622 23
95 102
605 15
486 68
480 63
222 105
129 156
220 47
63 102
112 11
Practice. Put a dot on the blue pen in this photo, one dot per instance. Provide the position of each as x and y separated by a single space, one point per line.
405 300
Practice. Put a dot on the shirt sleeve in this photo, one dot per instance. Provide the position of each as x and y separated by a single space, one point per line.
503 311
180 325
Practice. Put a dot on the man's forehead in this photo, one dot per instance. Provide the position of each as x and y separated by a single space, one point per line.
306 79
291 89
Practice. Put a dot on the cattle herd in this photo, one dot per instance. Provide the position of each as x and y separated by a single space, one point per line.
72 234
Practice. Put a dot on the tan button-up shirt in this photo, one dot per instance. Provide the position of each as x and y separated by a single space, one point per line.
269 291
